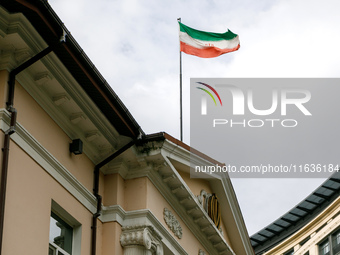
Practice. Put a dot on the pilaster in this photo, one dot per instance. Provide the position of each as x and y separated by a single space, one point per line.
141 240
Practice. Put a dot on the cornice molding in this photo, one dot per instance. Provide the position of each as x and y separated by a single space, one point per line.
329 218
49 163
109 214
173 151
71 130
186 205
116 213
17 25
176 192
237 214
74 93
172 187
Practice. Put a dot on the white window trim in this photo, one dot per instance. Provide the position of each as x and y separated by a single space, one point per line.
65 216
58 249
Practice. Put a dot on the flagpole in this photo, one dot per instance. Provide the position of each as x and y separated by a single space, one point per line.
180 90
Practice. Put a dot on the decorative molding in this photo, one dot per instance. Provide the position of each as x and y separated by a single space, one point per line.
197 220
42 78
19 24
48 162
20 29
202 199
60 99
142 235
172 223
116 213
68 181
92 135
76 117
231 200
22 55
324 224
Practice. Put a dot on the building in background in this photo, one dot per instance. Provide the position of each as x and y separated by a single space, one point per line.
78 174
310 228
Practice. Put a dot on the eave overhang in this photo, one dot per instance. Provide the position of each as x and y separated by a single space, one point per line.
40 14
156 155
298 217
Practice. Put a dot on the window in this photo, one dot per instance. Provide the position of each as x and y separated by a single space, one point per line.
336 243
331 245
65 232
324 248
290 252
61 235
304 241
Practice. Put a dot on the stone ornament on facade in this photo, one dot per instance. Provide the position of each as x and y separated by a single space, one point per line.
172 223
202 199
210 204
141 235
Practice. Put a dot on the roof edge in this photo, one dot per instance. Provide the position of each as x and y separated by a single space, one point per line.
54 28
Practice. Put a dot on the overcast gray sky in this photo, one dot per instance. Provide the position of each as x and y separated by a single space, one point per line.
135 46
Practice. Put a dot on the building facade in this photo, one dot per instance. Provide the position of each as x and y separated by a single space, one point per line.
78 174
310 228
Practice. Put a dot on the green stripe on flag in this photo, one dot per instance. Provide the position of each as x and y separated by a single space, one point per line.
206 36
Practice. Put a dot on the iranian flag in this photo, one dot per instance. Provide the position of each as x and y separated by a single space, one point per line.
205 44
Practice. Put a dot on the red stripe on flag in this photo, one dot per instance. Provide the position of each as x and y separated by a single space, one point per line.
208 52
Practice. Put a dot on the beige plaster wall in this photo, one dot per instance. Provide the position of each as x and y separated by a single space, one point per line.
135 194
140 193
114 191
156 204
196 185
30 191
51 136
111 236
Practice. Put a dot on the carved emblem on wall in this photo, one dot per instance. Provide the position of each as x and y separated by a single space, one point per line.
210 204
172 223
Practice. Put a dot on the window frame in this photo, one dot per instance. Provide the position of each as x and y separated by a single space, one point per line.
289 252
335 235
68 219
57 249
68 237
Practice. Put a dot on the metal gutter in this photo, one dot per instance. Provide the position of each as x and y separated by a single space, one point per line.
108 92
11 130
99 197
48 25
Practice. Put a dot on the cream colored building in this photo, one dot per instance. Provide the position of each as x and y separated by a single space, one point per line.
310 228
78 174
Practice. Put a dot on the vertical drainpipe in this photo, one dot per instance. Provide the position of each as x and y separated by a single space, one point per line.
11 130
99 197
